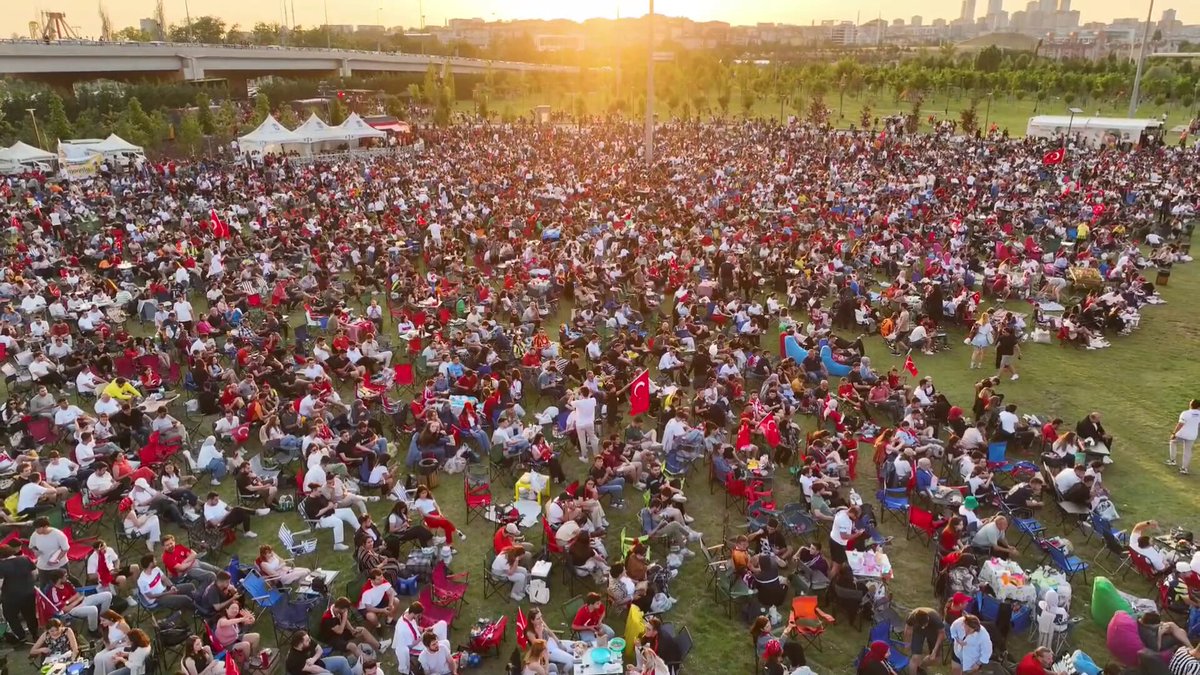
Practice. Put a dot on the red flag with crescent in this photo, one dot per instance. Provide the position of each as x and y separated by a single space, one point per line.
743 436
910 366
770 431
639 394
220 229
1055 156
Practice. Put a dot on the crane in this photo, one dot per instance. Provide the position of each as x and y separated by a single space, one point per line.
55 27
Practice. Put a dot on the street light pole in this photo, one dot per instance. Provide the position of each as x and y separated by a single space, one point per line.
187 13
37 134
1141 63
328 34
1070 123
648 149
987 117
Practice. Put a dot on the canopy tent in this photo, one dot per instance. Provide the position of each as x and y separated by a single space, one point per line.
115 145
314 134
357 128
17 158
270 136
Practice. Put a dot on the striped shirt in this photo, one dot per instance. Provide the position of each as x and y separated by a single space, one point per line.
1183 663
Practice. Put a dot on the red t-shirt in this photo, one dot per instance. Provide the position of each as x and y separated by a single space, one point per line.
586 616
1030 666
501 541
171 559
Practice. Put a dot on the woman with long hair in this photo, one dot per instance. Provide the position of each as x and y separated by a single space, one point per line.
198 659
400 529
981 336
434 520
537 660
787 642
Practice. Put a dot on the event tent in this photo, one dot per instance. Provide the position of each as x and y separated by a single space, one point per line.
115 145
356 128
14 157
270 136
315 133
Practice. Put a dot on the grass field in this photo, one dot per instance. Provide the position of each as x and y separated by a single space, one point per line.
1006 111
1140 385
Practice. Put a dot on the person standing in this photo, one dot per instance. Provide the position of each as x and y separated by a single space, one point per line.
17 596
980 337
1184 436
1008 350
585 424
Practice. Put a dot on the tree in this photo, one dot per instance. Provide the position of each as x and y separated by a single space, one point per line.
723 96
190 134
968 118
414 92
338 112
288 117
226 121
58 127
865 116
134 125
265 33
818 112
431 86
207 30
204 114
132 34
262 108
988 60
749 98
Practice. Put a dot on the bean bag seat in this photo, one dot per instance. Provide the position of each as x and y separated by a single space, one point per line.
1106 600
835 369
1123 640
635 625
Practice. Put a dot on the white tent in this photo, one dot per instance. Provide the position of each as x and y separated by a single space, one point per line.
270 136
355 128
21 156
315 135
115 145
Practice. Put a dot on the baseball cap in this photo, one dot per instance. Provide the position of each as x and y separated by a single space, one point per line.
960 599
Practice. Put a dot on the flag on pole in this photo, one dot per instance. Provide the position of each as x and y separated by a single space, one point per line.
910 366
1055 156
639 394
103 573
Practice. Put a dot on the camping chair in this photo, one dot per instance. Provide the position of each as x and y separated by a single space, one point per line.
434 610
998 463
257 591
731 588
923 523
809 580
477 490
852 601
1025 524
810 620
797 520
290 616
295 548
404 377
490 638
568 610
882 632
79 516
1143 566
716 560
988 609
894 501
492 584
684 640
1116 545
1069 565
447 588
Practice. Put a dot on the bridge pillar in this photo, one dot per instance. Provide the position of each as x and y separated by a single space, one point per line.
344 69
192 70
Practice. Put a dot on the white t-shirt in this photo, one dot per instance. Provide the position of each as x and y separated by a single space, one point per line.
29 495
1008 422
46 545
843 526
215 513
586 411
1190 419
436 663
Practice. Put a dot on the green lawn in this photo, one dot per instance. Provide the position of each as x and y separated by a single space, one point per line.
1140 384
1006 111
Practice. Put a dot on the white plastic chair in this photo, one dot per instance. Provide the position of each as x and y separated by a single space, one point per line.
296 548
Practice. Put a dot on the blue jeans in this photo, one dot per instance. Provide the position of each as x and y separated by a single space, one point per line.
481 439
218 468
590 635
514 449
614 487
338 665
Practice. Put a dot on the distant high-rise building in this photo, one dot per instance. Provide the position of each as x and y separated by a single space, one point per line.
1064 5
939 23
968 11
899 23
1048 6
916 21
995 7
150 27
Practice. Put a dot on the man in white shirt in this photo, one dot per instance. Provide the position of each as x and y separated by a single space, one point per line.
585 424
670 364
841 532
50 545
1141 543
1008 421
1184 436
219 514
407 639
32 303
65 415
154 585
973 437
1068 478
106 404
183 312
918 338
44 371
436 659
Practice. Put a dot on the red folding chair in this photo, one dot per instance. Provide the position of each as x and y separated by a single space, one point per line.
477 491
405 379
79 515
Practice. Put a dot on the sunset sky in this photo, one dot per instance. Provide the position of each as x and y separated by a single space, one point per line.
84 13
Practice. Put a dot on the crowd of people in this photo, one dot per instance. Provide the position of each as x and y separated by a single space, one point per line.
494 300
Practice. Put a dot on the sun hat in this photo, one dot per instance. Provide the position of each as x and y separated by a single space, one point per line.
971 502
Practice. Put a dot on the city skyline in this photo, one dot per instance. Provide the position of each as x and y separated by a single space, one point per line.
84 14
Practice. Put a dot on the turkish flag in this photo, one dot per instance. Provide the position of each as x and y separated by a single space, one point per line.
219 228
639 394
103 574
743 437
231 667
1055 156
910 366
770 431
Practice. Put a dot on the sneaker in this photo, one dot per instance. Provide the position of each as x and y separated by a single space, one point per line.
263 511
252 534
620 506
462 535
1016 377
688 519
688 553
584 459
1171 462
694 536
373 498
341 547
384 644
214 482
640 486
1183 472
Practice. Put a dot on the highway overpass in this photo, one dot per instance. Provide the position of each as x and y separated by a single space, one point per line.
67 62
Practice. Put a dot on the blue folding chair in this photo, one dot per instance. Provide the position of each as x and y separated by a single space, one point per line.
987 608
1070 565
882 632
260 593
894 501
